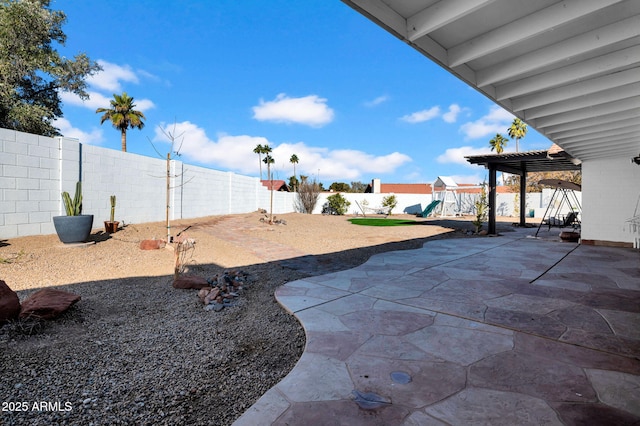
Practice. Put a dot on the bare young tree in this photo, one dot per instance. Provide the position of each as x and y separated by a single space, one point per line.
308 193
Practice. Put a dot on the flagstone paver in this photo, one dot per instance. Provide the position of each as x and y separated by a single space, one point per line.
484 331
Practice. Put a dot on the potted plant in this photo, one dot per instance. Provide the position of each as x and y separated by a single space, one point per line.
111 226
75 227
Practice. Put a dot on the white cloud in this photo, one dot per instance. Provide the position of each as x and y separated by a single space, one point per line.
420 116
496 121
111 75
236 153
476 179
98 100
456 155
95 137
451 115
377 101
309 110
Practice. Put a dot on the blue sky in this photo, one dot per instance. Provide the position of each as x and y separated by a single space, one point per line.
312 78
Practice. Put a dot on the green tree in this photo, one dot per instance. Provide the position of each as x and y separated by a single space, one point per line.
294 160
32 72
498 143
122 115
517 131
390 201
358 187
339 187
338 203
259 149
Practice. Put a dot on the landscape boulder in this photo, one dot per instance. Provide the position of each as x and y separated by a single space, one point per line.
190 281
9 303
152 244
47 303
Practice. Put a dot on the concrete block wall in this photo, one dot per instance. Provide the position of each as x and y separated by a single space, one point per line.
34 170
612 201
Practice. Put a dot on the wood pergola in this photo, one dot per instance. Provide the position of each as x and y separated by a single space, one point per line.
552 160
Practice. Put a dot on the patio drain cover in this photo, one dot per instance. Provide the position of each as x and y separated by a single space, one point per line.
401 377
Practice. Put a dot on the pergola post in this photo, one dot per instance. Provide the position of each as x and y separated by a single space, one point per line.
492 198
523 195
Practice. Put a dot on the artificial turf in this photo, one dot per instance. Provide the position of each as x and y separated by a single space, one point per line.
376 221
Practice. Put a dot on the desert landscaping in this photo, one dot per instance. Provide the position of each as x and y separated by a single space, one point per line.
136 350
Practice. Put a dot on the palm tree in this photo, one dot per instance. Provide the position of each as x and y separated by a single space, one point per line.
517 131
268 160
122 115
294 160
259 149
498 143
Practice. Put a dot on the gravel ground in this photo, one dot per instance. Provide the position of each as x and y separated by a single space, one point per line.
135 350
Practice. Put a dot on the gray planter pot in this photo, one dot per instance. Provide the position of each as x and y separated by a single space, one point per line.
73 229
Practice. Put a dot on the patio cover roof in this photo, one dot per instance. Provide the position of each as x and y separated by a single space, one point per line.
570 69
531 161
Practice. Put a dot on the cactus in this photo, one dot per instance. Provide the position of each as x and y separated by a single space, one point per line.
113 207
73 207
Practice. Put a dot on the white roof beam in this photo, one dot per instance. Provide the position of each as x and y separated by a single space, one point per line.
628 91
596 154
611 135
620 125
631 114
381 12
571 73
576 89
521 29
592 112
439 15
561 52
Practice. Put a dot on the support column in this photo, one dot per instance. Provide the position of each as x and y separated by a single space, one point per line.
523 196
492 199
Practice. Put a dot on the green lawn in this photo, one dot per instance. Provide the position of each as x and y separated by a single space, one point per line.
373 221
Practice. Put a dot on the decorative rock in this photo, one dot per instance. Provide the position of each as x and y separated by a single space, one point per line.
47 303
9 303
190 281
152 244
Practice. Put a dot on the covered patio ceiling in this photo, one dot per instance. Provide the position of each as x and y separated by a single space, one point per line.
570 69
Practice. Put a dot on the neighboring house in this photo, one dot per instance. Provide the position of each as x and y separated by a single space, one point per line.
278 185
376 187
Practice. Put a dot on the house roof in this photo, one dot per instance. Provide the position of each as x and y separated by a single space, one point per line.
402 188
278 185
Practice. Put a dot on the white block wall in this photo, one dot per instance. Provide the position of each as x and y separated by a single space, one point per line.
611 195
34 170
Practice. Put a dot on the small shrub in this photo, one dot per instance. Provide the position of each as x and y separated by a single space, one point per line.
482 209
390 201
338 203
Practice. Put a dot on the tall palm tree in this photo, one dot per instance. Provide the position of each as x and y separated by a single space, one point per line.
517 131
122 115
259 149
268 160
294 160
498 143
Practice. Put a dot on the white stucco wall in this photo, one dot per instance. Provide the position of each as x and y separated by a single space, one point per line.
610 194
